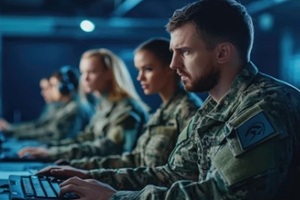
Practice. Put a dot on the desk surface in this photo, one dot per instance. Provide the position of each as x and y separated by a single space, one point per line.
22 166
3 195
16 168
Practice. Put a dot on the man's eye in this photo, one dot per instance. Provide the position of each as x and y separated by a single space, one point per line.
185 52
148 69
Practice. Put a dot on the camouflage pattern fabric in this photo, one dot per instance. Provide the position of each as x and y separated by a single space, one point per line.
65 122
47 113
158 140
244 147
113 130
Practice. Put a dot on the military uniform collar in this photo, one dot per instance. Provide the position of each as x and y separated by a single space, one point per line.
222 110
105 105
160 112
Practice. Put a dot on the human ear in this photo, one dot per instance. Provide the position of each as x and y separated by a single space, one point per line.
224 52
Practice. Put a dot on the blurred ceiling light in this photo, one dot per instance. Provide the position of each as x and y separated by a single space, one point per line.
266 22
87 26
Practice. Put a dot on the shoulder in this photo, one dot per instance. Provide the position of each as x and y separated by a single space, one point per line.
133 105
268 108
186 104
130 110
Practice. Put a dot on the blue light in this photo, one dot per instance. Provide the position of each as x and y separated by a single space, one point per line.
87 26
266 21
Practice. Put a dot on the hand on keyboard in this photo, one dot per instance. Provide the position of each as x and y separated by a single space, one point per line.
90 189
62 162
64 172
36 187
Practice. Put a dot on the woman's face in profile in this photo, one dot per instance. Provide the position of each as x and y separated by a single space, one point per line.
94 76
153 75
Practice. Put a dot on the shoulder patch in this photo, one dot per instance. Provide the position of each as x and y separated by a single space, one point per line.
255 130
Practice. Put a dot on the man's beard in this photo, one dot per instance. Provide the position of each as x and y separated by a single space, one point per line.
204 84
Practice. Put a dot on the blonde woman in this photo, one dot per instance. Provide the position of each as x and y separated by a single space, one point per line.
119 117
152 59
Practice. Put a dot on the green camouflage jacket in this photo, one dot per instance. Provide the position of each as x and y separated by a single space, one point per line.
114 129
47 113
244 147
158 140
64 120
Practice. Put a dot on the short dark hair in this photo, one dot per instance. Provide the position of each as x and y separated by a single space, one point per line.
218 21
159 47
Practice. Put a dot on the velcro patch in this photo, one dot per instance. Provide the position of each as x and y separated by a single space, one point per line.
255 130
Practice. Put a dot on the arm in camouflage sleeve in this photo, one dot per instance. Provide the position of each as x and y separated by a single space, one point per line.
86 135
259 173
113 161
23 126
110 144
147 153
100 146
152 142
64 122
136 178
264 187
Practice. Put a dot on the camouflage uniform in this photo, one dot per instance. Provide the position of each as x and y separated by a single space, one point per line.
158 140
66 121
114 129
47 113
244 147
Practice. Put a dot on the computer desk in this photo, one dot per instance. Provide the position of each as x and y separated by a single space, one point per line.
15 166
4 194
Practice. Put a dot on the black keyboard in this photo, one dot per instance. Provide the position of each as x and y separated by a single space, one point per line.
36 188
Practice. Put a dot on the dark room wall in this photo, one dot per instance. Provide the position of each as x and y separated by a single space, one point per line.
27 60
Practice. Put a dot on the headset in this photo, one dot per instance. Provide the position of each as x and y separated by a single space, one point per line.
69 79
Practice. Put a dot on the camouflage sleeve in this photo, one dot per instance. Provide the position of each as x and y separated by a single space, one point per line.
155 140
151 144
113 161
236 172
86 135
63 125
163 176
100 146
23 126
163 140
136 178
15 128
227 182
179 190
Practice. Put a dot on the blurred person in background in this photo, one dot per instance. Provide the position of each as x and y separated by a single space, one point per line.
120 113
152 59
64 116
47 111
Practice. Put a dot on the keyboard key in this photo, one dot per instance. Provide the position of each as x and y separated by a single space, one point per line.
55 185
48 189
37 187
28 190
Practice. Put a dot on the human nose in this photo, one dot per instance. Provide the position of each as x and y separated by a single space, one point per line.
140 76
84 77
174 62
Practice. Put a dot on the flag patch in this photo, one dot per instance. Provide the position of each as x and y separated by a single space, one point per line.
255 130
